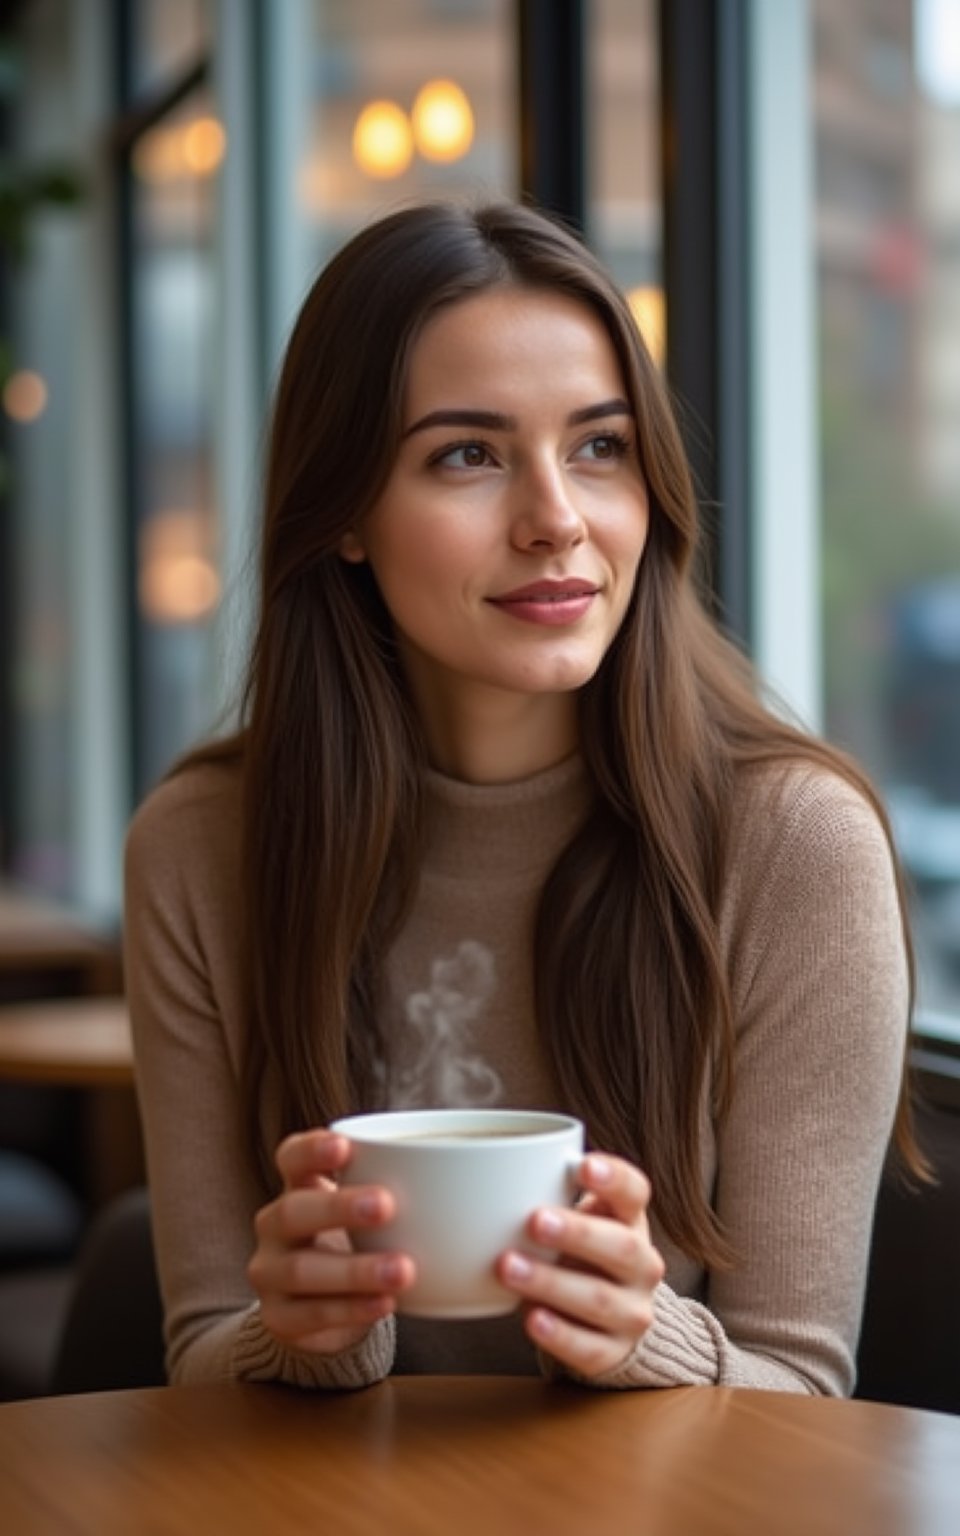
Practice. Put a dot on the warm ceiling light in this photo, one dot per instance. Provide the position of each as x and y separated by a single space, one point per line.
168 154
178 583
158 156
178 589
649 311
382 140
442 121
204 145
24 395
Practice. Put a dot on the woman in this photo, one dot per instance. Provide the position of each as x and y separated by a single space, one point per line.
506 822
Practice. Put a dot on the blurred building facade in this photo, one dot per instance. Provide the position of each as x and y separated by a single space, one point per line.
887 113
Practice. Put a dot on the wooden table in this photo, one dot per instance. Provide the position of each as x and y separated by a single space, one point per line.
84 1043
474 1456
77 1042
45 950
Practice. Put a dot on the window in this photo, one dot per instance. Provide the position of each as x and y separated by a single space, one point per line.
373 106
173 166
40 328
165 37
623 134
888 254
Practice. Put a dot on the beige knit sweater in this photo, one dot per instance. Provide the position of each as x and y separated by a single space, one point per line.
812 936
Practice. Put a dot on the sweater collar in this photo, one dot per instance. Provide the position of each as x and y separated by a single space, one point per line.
502 830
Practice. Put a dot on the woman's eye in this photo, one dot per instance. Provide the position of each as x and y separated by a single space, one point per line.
464 456
605 446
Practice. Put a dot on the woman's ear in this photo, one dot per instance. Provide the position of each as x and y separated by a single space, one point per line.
350 548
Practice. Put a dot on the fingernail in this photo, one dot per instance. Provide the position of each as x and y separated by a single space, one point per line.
516 1267
549 1224
599 1170
542 1324
366 1207
390 1271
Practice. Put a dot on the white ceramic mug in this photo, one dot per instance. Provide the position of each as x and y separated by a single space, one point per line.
465 1182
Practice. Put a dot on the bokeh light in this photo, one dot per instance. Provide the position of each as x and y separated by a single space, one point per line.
178 582
383 139
649 310
204 145
443 123
24 395
180 152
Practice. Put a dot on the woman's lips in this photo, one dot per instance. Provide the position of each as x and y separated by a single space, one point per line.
552 603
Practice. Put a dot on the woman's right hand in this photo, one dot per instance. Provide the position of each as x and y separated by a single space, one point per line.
315 1292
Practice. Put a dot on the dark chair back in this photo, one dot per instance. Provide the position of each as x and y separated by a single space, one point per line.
113 1332
910 1341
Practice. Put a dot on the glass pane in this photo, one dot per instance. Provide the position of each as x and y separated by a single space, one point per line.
411 100
888 152
174 168
36 401
166 37
624 143
40 247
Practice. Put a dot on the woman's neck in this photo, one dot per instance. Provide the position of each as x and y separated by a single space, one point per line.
497 738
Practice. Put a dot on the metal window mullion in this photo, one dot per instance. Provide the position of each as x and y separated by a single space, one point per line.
706 276
550 42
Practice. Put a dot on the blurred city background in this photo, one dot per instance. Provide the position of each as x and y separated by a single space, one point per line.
174 172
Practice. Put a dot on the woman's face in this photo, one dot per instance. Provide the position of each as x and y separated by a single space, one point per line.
507 539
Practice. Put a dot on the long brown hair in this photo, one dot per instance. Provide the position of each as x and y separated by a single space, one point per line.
633 1000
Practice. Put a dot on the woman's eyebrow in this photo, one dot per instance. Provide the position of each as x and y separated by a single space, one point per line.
490 421
615 407
496 421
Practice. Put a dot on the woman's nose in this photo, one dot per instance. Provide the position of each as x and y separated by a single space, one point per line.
546 513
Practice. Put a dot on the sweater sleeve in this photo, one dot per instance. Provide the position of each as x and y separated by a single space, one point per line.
820 985
180 939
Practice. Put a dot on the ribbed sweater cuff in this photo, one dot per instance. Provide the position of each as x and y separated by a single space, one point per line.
257 1356
681 1348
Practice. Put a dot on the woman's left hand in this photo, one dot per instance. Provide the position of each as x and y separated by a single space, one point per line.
590 1309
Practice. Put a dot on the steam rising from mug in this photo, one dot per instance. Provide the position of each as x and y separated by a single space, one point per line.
443 1069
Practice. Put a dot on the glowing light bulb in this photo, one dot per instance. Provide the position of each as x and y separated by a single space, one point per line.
443 123
649 310
158 156
382 140
178 582
204 145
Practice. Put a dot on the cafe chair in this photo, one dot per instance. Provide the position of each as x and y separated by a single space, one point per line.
32 1303
40 1215
41 1220
909 1350
112 1333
